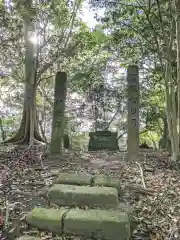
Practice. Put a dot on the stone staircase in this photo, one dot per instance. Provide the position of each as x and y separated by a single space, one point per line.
87 206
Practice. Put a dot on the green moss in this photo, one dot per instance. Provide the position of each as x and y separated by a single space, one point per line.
74 179
98 223
103 197
46 219
103 180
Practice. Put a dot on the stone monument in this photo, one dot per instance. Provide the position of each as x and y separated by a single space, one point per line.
133 111
60 92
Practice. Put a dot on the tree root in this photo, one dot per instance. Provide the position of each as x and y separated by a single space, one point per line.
22 137
25 142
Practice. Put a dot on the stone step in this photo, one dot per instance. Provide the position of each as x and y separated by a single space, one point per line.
74 179
86 179
103 180
71 195
102 224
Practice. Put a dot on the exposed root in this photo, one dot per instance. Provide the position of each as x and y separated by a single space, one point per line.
28 133
13 139
35 142
22 138
38 137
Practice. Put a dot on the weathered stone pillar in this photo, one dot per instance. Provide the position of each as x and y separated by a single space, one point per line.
133 110
60 92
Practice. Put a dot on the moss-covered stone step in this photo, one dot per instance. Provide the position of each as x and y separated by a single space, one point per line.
102 224
46 219
26 237
71 195
86 179
103 180
73 179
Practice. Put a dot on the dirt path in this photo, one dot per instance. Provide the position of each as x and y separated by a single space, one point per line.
22 181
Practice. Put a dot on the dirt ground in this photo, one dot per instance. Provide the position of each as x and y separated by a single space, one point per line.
151 188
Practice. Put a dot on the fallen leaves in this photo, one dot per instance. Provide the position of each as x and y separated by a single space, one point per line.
24 181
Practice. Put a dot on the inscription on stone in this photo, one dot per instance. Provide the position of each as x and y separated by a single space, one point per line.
58 124
132 99
134 122
133 109
58 101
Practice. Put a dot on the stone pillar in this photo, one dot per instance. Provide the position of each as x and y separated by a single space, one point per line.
133 110
60 92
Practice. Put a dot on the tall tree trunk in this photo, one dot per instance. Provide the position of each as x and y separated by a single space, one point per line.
42 130
171 113
177 9
28 132
3 134
171 110
164 141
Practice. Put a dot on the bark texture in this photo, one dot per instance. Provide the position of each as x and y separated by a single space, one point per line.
28 132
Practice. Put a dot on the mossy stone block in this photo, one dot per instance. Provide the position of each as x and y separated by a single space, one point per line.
46 219
100 224
103 180
73 179
102 197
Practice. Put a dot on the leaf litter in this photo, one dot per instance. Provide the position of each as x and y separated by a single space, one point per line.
151 186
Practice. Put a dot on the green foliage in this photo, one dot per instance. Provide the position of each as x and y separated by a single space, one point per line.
150 137
126 35
99 36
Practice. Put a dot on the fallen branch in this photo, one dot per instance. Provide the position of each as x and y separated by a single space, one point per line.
6 214
142 175
140 190
4 166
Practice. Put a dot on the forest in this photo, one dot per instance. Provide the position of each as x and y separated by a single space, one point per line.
93 43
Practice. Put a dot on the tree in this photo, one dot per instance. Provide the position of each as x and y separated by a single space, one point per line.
147 33
28 132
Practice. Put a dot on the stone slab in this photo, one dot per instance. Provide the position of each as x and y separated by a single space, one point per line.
73 179
103 180
99 224
46 219
69 195
29 238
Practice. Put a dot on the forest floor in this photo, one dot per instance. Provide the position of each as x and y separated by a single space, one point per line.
153 195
